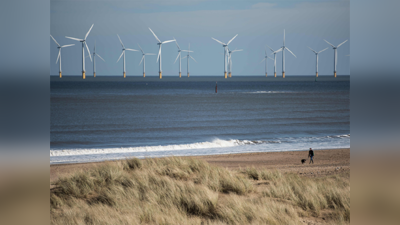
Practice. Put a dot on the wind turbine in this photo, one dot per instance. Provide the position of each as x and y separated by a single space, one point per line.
283 54
179 55
123 53
188 56
59 53
230 60
225 51
266 62
316 54
94 59
159 52
144 60
83 50
274 52
335 54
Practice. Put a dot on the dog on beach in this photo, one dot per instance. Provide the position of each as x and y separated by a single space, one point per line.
303 161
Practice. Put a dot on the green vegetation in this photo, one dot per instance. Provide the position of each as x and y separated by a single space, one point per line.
177 190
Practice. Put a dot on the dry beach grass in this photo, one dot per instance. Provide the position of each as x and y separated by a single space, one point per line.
184 190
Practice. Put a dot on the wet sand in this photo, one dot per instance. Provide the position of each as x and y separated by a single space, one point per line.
326 162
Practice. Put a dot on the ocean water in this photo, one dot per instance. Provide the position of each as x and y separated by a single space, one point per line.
106 118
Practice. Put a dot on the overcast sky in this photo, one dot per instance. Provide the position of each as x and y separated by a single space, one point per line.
257 23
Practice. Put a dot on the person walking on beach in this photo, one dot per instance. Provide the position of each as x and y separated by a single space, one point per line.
311 155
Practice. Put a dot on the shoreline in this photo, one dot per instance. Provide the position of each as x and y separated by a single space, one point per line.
326 162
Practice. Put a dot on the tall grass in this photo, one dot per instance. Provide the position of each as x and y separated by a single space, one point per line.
178 190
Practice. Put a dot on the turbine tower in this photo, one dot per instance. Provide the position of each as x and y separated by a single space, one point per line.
123 53
335 54
179 56
266 63
230 60
274 52
316 54
59 53
159 52
144 60
225 51
83 50
283 54
94 59
188 56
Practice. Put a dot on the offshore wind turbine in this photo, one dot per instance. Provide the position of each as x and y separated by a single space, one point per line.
188 56
335 55
316 54
230 60
283 54
83 50
59 53
225 52
274 52
144 60
123 53
159 52
94 59
180 57
266 63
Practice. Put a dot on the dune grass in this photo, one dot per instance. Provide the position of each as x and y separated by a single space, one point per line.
176 190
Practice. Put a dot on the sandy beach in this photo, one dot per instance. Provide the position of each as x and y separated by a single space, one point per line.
326 162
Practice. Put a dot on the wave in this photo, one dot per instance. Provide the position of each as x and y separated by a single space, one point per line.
217 143
269 92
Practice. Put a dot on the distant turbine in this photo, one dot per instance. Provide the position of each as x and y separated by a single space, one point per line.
274 52
230 60
316 54
335 55
59 53
225 51
94 59
266 63
83 50
188 56
123 53
144 60
159 52
179 55
283 55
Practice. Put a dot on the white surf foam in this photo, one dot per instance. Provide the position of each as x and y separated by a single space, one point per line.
269 92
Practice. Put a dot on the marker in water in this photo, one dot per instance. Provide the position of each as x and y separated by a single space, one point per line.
216 87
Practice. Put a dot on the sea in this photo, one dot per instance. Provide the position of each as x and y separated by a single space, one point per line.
110 118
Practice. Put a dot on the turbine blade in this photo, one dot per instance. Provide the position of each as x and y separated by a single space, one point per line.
279 50
59 53
262 60
55 40
177 57
141 48
313 50
159 54
87 48
322 50
120 56
222 43
270 58
291 52
155 35
342 43
100 57
193 59
177 44
141 60
167 41
270 48
133 50
76 39
87 34
120 41
329 43
150 54
64 46
231 39
237 50
184 57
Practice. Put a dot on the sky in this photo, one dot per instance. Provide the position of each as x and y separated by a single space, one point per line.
257 23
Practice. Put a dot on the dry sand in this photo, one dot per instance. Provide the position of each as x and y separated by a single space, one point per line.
326 162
